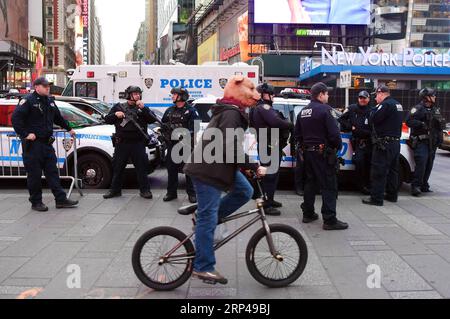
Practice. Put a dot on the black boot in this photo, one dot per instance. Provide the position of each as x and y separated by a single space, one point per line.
112 194
272 211
310 218
369 201
68 203
415 191
146 195
39 207
170 197
338 225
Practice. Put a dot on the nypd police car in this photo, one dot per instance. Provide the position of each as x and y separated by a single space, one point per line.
94 147
290 103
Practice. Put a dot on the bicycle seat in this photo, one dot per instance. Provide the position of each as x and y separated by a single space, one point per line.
187 210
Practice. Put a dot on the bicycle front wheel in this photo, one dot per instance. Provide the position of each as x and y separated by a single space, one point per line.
270 271
148 260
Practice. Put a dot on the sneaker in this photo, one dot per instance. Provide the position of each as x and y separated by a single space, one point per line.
39 207
146 195
272 211
68 203
310 218
211 277
338 225
112 194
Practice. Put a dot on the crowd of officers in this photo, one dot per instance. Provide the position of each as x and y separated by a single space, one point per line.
376 133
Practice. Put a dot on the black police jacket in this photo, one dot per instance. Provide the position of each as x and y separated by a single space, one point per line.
36 114
425 120
356 116
265 116
125 128
316 125
387 118
176 117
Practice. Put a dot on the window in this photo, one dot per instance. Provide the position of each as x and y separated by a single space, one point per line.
49 36
6 112
50 63
68 91
86 89
49 22
50 10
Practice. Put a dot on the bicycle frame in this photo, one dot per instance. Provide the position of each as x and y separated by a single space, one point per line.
261 216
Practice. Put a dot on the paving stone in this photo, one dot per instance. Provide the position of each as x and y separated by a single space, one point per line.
205 293
90 225
9 265
416 295
26 225
400 241
330 243
135 210
442 250
349 276
147 293
16 291
111 238
396 274
21 282
111 293
313 292
314 273
417 209
111 206
443 228
413 225
34 242
90 271
434 269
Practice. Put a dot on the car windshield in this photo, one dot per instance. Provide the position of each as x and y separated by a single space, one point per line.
104 107
77 118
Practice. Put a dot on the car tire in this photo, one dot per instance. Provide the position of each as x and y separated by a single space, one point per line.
95 171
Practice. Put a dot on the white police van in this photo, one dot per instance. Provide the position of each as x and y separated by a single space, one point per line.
94 146
290 103
108 82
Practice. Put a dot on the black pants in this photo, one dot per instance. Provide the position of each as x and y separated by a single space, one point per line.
384 171
38 157
319 174
135 151
173 169
362 158
424 164
299 175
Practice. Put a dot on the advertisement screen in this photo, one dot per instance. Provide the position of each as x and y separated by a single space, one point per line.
313 11
14 21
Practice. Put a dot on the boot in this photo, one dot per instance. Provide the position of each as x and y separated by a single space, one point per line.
146 195
40 207
68 203
338 225
112 194
170 197
415 191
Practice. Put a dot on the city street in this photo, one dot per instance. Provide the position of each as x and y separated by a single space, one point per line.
409 241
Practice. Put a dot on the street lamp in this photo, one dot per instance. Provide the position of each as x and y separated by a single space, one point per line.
329 43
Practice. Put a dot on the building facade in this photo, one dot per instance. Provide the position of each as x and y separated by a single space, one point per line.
151 22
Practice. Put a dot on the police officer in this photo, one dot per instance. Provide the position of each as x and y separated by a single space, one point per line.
426 123
264 116
33 121
180 115
356 120
318 135
386 123
130 119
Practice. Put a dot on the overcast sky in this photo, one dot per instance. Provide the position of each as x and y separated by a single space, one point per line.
120 22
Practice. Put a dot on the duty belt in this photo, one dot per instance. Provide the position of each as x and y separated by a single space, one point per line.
390 139
315 148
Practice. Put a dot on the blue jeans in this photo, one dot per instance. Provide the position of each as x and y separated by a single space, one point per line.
211 207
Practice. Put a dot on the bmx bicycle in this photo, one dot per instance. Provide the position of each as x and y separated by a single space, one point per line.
276 254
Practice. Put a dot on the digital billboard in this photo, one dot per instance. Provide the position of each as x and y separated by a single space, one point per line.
313 11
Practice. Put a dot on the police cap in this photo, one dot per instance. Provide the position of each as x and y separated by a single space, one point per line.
381 89
318 88
364 94
41 81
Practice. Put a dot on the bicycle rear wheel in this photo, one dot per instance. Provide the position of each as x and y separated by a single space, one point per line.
268 270
147 255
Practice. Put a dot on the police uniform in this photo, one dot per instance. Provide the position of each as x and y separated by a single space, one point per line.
37 114
426 125
263 116
130 143
178 117
357 116
386 123
318 135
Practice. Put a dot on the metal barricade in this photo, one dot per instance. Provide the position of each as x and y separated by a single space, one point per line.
11 160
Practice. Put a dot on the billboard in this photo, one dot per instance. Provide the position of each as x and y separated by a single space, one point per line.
207 51
183 44
244 46
14 21
313 11
85 19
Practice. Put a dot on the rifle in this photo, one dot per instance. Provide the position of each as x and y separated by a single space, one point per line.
132 116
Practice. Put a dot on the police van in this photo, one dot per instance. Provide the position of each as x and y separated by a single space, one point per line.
290 103
94 146
108 83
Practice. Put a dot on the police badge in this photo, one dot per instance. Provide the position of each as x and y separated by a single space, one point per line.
67 143
148 83
223 83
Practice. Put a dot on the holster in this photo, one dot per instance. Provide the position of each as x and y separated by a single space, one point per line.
26 145
412 142
331 156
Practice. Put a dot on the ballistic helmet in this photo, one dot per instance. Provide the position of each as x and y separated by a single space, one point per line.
426 92
266 88
182 93
132 89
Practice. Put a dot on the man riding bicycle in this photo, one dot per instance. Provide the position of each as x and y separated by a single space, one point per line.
211 178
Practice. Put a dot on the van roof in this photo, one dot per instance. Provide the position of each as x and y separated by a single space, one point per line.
281 100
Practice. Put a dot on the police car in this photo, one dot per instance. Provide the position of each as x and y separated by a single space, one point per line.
94 147
290 103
